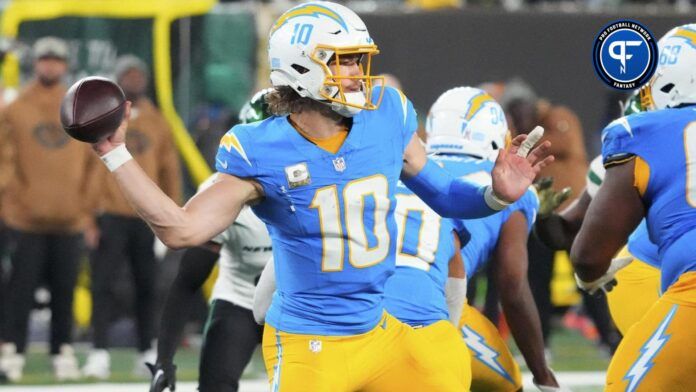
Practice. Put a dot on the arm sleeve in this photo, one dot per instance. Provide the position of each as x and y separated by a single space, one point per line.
196 264
264 292
450 197
455 295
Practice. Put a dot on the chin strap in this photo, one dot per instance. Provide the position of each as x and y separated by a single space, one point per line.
356 98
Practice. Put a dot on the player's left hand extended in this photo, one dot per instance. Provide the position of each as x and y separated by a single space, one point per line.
549 199
163 377
605 282
517 166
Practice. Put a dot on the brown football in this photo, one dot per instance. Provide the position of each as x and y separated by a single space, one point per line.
92 109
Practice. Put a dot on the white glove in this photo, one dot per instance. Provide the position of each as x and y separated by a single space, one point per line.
605 282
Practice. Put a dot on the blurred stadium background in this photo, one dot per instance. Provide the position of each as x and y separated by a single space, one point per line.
208 57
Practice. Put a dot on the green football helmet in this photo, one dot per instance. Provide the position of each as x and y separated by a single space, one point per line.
256 109
632 104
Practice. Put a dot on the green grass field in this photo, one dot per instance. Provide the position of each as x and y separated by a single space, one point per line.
571 352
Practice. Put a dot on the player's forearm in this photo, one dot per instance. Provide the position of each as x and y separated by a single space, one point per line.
523 318
555 232
205 215
613 214
588 266
170 177
589 261
194 269
166 218
448 196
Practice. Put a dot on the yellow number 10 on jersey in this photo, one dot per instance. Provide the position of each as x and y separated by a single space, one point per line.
360 253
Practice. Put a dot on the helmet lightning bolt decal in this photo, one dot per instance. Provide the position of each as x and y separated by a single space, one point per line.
688 34
310 9
648 352
476 103
484 352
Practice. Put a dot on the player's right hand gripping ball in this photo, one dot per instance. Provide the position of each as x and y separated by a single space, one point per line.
92 109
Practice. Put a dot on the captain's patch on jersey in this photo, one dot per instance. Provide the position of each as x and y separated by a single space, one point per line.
297 175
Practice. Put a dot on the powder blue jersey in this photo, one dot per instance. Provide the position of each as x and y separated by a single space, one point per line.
485 232
330 216
415 294
641 247
666 141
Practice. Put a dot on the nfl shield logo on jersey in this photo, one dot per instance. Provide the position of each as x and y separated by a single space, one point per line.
297 175
339 164
315 346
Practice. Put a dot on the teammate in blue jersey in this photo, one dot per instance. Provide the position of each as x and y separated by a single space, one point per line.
321 174
650 159
635 286
465 128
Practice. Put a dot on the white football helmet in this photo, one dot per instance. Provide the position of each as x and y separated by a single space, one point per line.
466 120
674 82
306 38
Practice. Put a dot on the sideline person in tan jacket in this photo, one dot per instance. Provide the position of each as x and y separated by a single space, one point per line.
123 235
47 202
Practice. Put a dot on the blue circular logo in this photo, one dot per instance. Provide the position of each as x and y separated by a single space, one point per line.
625 55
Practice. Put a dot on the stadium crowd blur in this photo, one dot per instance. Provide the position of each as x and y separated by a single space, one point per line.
55 234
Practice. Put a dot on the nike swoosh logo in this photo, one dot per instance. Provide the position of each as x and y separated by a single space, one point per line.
222 163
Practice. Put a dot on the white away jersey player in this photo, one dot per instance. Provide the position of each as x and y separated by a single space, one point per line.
246 248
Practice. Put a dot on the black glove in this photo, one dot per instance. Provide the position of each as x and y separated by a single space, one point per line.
163 376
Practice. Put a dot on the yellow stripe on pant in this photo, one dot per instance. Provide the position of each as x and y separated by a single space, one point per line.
390 357
637 290
493 368
659 351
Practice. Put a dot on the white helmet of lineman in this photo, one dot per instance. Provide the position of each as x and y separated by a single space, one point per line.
466 120
306 38
674 82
